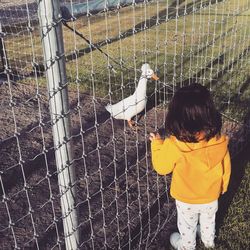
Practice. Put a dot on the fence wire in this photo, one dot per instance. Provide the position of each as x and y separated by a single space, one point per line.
122 203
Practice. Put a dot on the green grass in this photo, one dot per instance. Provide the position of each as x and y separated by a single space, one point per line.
206 45
234 232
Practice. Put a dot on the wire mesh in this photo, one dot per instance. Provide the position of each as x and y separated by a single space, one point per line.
122 203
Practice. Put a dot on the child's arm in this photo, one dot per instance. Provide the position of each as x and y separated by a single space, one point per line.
227 172
164 154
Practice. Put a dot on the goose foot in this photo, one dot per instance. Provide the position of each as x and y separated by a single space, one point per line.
131 124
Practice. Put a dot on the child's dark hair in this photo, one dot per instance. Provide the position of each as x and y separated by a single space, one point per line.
191 112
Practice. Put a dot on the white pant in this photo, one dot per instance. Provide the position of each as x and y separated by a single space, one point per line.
188 216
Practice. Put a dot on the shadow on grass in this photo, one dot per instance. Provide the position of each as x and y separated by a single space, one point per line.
166 14
239 163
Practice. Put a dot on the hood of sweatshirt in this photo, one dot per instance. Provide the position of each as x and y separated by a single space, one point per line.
210 153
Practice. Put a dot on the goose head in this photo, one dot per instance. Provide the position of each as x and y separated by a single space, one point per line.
148 73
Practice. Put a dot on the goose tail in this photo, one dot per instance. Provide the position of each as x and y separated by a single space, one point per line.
108 108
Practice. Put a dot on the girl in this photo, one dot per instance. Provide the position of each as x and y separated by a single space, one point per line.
197 156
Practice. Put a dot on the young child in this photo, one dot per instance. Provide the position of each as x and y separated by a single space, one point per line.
197 155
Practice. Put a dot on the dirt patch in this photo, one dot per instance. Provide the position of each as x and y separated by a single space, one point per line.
129 202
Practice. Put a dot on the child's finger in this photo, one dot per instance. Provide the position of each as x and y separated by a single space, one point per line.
151 136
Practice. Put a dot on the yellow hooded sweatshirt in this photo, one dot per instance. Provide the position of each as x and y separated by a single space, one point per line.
200 171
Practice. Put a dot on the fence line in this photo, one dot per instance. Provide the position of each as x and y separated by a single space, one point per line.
111 198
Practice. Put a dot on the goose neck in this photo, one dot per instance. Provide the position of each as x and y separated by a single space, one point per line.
142 85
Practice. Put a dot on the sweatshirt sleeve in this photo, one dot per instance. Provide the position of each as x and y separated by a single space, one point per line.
227 172
164 156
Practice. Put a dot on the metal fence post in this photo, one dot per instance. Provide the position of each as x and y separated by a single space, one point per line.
3 53
53 49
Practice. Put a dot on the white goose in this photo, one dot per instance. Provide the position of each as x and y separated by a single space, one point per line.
134 104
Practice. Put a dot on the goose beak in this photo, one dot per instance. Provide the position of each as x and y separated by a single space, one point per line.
154 77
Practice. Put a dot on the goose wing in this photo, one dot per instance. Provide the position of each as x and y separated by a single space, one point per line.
125 109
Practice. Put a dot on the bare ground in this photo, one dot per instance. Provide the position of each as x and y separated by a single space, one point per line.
30 212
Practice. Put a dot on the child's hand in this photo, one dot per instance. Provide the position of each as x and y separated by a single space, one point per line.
154 136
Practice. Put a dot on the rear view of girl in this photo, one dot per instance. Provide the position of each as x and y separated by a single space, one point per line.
197 155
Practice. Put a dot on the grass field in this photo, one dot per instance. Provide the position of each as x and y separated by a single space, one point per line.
235 229
233 226
198 40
